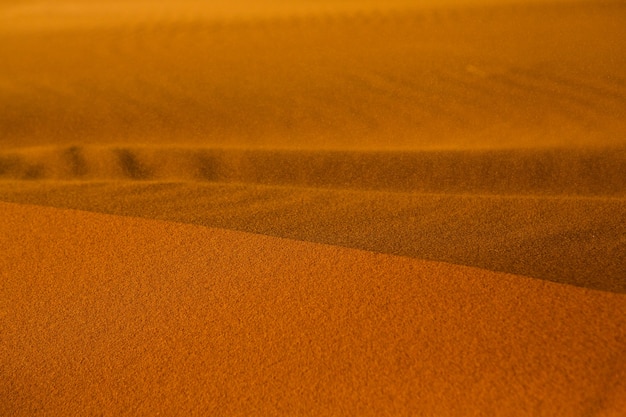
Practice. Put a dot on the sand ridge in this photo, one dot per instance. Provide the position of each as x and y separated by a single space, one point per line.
122 316
520 100
435 191
34 15
566 239
534 171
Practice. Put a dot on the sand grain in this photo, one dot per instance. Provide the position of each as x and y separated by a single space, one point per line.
114 315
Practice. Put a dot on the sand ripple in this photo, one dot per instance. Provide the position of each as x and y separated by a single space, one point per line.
551 171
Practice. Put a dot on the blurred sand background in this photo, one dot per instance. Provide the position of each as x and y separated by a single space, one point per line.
413 152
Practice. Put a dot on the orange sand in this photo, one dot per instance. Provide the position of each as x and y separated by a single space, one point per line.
489 134
112 315
457 74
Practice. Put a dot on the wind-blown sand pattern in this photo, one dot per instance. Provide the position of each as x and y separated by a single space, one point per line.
441 187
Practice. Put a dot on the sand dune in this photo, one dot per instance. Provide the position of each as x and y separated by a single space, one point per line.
112 315
481 133
564 171
540 74
551 213
573 240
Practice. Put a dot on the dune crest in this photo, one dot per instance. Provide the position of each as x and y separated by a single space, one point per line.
131 316
550 171
478 132
398 173
37 15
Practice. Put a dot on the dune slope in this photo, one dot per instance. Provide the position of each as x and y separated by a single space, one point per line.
574 240
407 171
491 132
597 171
114 315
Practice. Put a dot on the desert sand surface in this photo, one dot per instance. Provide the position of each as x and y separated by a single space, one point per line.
409 207
115 315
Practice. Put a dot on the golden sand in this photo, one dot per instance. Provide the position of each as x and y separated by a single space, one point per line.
115 315
348 207
508 75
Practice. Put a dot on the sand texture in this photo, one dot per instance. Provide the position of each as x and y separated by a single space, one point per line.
313 207
133 316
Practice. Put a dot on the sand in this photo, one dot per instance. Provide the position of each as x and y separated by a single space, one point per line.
116 315
313 207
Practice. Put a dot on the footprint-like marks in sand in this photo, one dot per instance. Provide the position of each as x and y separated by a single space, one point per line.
537 171
76 161
131 167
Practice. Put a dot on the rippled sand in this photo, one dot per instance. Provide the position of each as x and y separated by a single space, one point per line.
441 186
